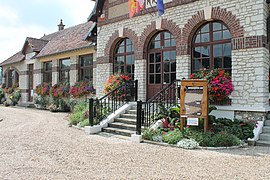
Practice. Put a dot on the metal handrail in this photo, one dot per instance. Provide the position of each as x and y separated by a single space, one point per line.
101 108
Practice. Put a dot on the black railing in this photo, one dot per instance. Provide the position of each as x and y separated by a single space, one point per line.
164 99
99 109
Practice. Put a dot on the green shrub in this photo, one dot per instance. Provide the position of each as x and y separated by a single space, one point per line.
241 129
79 114
222 139
151 134
2 94
172 137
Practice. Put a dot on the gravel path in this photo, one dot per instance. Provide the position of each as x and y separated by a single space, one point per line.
39 145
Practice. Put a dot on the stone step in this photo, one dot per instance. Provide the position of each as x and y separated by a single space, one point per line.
132 111
129 116
123 132
134 108
125 120
265 137
267 122
263 143
120 125
266 129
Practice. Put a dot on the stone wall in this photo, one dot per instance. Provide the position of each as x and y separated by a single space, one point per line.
246 21
250 115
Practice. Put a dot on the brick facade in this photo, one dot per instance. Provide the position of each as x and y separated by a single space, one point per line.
246 21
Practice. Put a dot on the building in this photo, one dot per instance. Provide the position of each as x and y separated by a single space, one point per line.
60 56
190 35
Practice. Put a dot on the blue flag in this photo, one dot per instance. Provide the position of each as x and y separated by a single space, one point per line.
160 7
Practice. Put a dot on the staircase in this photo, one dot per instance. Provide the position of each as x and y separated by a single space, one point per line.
125 125
264 139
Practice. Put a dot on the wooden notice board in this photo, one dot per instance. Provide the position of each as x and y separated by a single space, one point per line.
194 101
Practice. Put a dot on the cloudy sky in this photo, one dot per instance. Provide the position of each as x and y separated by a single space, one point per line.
34 18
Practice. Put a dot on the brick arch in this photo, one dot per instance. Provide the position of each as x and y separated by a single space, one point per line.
13 68
198 20
151 29
114 39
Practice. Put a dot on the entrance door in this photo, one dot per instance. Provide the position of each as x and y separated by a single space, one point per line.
161 62
30 81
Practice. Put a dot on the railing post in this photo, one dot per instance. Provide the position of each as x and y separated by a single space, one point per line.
139 118
136 90
91 112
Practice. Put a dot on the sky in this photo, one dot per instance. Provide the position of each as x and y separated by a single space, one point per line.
34 18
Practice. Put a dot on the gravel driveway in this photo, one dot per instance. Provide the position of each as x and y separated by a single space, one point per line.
39 145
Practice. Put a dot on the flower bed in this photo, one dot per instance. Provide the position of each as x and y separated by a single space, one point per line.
62 97
222 133
219 85
10 96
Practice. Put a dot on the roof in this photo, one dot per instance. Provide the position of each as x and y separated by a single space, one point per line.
66 40
18 57
36 44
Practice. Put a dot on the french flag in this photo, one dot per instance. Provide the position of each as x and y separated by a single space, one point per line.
160 7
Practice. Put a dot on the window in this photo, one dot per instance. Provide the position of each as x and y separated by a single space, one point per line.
124 58
64 70
47 73
86 68
211 47
12 78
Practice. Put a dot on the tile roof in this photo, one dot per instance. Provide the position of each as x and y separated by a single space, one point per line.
61 41
66 40
18 57
36 44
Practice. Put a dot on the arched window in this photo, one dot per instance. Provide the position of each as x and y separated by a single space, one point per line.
211 47
124 58
161 62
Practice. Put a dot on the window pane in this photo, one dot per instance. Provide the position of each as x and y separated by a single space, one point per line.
129 69
48 66
157 68
205 51
122 69
152 79
157 37
157 44
129 48
129 59
197 64
217 35
158 57
217 50
205 37
158 78
167 78
227 49
173 55
197 52
205 28
167 35
167 67
226 34
173 77
152 68
216 26
128 42
152 58
166 56
228 62
198 38
173 42
218 62
86 74
86 60
65 63
167 43
206 63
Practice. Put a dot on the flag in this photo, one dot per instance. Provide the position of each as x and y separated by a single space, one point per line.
160 7
135 6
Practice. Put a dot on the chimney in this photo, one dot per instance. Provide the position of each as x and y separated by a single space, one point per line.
61 26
